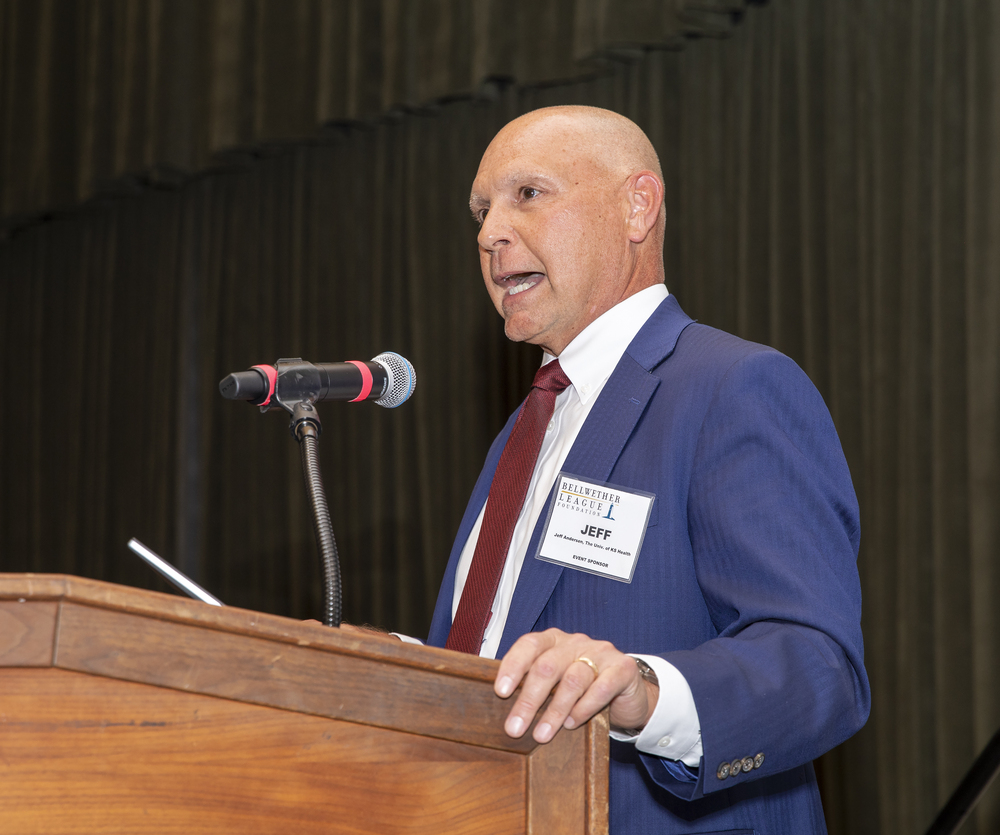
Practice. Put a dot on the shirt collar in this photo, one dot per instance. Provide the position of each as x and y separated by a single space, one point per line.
593 354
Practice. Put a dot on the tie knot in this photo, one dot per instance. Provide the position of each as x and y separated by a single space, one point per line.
551 377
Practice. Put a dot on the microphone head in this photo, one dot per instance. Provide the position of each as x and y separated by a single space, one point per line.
402 379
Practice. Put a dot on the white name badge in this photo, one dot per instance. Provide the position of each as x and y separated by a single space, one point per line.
595 527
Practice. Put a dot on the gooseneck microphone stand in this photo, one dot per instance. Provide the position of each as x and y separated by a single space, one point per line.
306 429
297 386
299 400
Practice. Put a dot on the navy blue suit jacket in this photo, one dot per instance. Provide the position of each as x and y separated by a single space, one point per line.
746 582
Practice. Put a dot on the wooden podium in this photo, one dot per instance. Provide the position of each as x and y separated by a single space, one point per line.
123 710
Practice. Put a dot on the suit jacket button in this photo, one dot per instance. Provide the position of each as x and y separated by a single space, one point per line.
735 767
723 771
758 761
747 763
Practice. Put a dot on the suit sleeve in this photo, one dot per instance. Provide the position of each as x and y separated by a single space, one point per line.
774 529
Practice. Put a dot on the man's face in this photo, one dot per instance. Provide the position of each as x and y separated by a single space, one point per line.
553 241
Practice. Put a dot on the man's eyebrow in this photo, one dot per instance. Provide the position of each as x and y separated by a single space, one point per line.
477 202
520 178
512 180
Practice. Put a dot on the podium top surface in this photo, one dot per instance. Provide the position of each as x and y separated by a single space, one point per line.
108 683
173 607
164 640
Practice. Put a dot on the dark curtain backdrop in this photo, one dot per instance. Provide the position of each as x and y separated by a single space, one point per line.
833 190
102 97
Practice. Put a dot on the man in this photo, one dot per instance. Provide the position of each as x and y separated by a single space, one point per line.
733 578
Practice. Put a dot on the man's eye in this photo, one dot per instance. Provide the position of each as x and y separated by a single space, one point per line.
528 192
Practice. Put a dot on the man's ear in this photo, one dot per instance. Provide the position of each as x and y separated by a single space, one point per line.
645 197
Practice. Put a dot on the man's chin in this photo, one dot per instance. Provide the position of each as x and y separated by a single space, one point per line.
530 337
521 326
514 335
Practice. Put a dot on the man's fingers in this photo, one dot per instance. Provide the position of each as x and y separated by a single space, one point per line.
537 661
545 672
573 705
578 691
567 667
583 676
520 658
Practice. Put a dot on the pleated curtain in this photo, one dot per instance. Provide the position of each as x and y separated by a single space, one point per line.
191 188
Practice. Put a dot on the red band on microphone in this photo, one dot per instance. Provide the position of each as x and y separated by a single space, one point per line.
366 380
272 378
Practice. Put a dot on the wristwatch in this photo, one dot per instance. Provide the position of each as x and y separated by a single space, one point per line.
646 672
649 675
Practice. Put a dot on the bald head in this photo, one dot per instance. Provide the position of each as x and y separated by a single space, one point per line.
614 144
570 202
616 141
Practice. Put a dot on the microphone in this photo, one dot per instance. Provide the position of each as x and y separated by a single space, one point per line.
388 379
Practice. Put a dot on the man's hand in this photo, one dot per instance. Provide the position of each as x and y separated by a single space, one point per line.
551 659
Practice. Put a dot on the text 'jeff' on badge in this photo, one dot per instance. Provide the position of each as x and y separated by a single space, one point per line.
595 527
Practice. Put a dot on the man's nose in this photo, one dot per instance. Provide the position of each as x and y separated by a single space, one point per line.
496 231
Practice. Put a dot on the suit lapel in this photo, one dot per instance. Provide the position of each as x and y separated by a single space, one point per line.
597 448
601 440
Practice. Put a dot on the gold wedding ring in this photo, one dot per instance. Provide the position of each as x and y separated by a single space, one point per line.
590 664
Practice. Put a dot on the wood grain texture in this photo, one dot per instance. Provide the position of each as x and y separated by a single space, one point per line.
597 768
84 754
551 772
281 674
173 608
27 632
122 709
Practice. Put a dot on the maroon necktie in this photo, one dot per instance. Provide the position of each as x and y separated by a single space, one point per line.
507 492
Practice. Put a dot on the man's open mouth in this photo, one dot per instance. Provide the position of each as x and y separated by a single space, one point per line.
518 283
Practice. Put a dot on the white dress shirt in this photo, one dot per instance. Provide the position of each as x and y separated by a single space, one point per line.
674 729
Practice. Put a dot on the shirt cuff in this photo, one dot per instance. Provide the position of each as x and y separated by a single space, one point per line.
674 730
